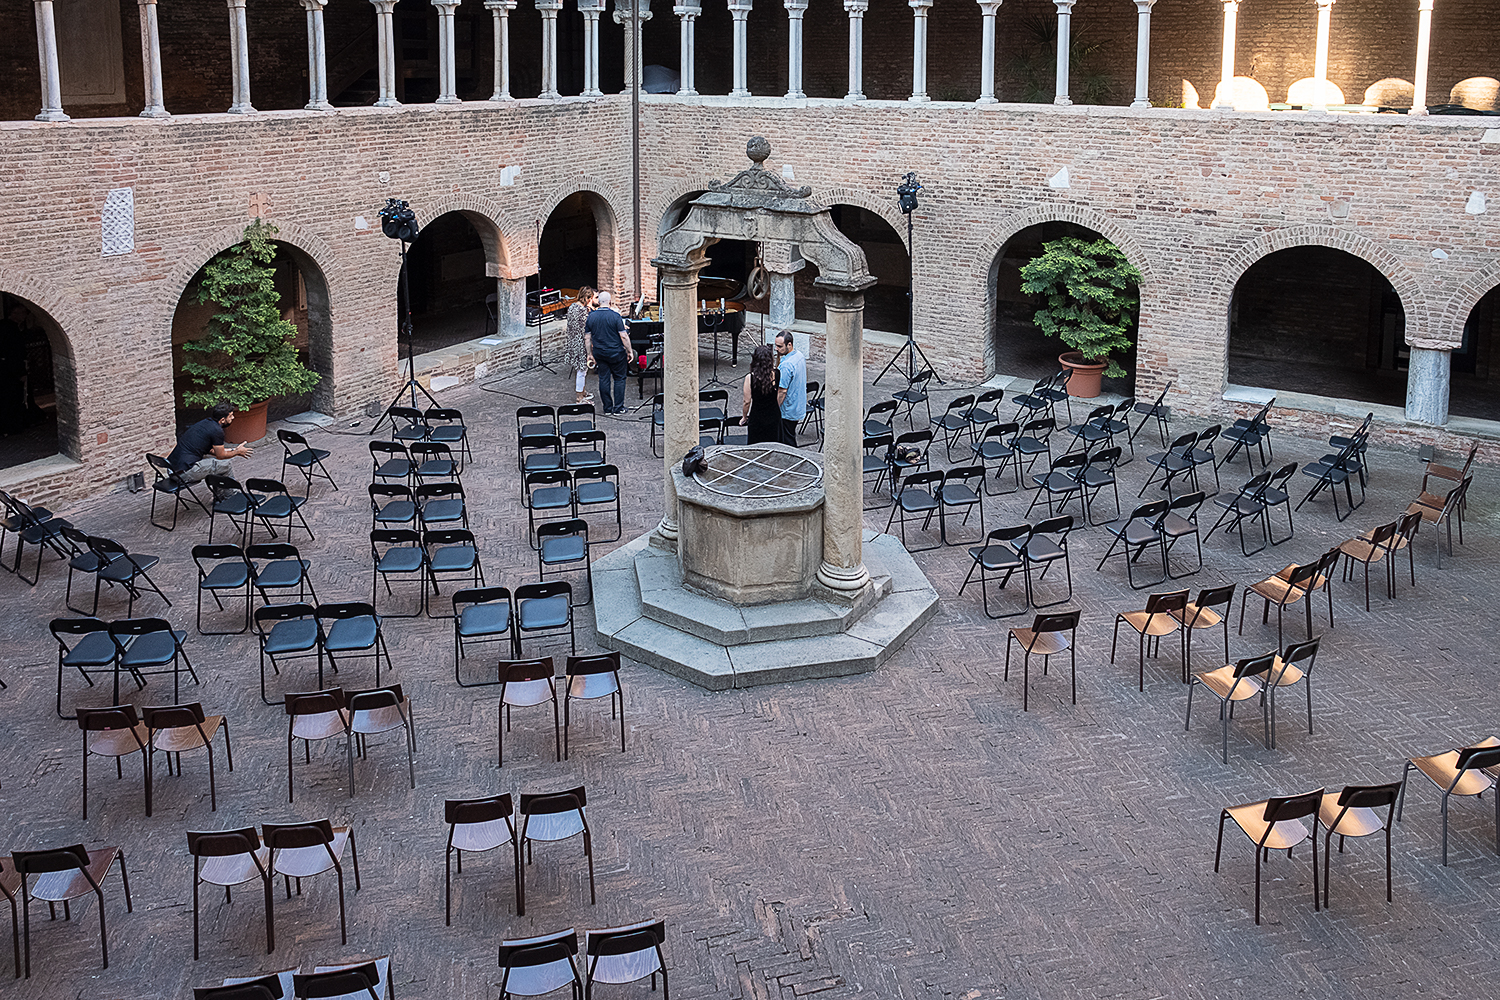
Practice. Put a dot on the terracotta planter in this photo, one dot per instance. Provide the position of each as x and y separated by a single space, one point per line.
1083 376
249 425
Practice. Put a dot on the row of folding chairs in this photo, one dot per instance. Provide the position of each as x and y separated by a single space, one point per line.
713 410
1022 548
1252 504
137 647
335 631
571 493
266 501
1343 468
412 464
297 454
273 569
430 505
31 525
1159 525
551 452
441 424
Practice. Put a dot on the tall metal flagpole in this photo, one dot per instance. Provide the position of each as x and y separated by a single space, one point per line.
635 134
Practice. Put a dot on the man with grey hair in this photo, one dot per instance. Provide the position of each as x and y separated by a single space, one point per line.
610 337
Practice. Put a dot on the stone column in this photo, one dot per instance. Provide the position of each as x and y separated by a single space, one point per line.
500 10
795 9
1064 50
1142 53
548 9
1424 43
151 61
447 72
843 565
687 12
317 57
385 42
1320 58
1427 381
510 307
856 11
239 59
740 11
919 9
679 304
591 9
1224 101
781 265
988 9
46 44
623 18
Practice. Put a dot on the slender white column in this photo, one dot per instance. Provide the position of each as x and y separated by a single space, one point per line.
385 42
447 71
919 9
1142 53
239 55
46 43
795 9
1064 50
1225 99
151 61
622 17
317 57
856 11
987 8
687 11
548 9
1424 43
500 11
1320 58
740 11
843 566
591 9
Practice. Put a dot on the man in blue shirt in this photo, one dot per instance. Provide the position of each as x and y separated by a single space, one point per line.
793 392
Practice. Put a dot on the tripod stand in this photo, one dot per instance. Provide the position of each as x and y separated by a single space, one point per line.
403 334
714 320
910 350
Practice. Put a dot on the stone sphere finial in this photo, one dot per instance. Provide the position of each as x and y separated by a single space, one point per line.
758 148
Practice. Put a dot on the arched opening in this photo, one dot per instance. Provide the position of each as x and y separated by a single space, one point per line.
1475 390
886 302
1020 348
38 386
303 291
450 294
569 252
724 279
1317 320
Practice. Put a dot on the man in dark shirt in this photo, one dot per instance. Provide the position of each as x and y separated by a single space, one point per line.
610 339
200 450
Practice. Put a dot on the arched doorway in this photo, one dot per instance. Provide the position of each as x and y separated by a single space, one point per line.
1475 390
1020 347
569 252
886 302
38 388
451 296
1321 321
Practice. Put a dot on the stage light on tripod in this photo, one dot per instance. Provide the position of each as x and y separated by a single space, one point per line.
907 192
398 221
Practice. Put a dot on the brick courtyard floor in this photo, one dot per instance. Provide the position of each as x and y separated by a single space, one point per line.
909 833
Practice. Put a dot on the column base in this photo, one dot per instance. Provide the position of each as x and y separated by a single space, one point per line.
447 100
739 93
497 98
687 93
852 96
313 106
843 578
53 116
156 113
549 95
919 99
242 109
986 101
667 530
1062 102
387 102
1420 112
1140 103
795 95
594 93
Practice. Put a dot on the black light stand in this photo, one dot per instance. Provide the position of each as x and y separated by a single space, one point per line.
907 194
399 222
714 319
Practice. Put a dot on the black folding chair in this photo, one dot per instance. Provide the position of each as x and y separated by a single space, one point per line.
1248 504
391 462
397 552
1000 554
1153 411
222 569
303 457
482 614
1046 545
917 498
274 503
1252 433
1141 530
287 632
169 483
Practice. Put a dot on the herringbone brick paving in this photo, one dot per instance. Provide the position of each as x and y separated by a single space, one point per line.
909 833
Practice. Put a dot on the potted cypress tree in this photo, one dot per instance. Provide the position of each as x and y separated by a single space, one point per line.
1090 299
249 354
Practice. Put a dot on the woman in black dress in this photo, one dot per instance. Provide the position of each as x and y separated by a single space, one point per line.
762 412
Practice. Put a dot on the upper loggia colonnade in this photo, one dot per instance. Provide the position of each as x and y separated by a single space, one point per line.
688 11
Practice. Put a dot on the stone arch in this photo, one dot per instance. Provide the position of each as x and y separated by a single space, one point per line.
59 315
657 208
605 205
883 207
484 215
1449 326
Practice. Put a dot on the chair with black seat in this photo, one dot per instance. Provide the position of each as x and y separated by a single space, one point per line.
710 431
548 817
917 498
1352 813
713 404
432 461
303 457
994 450
598 488
731 431
1232 683
1361 438
537 965
1282 589
10 890
1181 521
548 496
36 526
1045 546
1034 403
178 729
1031 442
115 732
1096 475
1201 454
381 710
305 850
1245 434
534 420
962 489
1153 411
354 629
1275 824
1118 425
231 500
545 609
407 424
1094 431
1141 531
1203 613
170 484
1278 494
62 875
1172 464
1056 391
451 553
279 567
228 858
340 982
390 462
150 646
441 505
445 425
1246 504
816 405
274 503
1062 482
658 422
582 449
915 394
1000 554
877 449
83 644
575 417
625 954
539 453
313 715
85 561
476 826
1161 617
880 417
1047 636
1292 667
1372 547
526 684
954 422
985 410
589 677
397 552
288 632
1328 474
1460 771
482 614
222 569
564 546
120 567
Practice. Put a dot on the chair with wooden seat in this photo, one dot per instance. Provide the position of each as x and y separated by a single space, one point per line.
10 888
1203 612
1352 813
116 732
1461 771
524 684
537 965
1293 666
625 954
228 858
371 713
476 826
1407 526
303 457
1447 473
62 875
1441 512
1161 617
589 677
179 729
1283 589
1372 547
1048 635
1275 824
548 817
1233 683
313 715
305 850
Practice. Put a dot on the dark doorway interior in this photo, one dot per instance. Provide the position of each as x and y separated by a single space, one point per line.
886 307
569 253
450 294
28 390
1476 380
